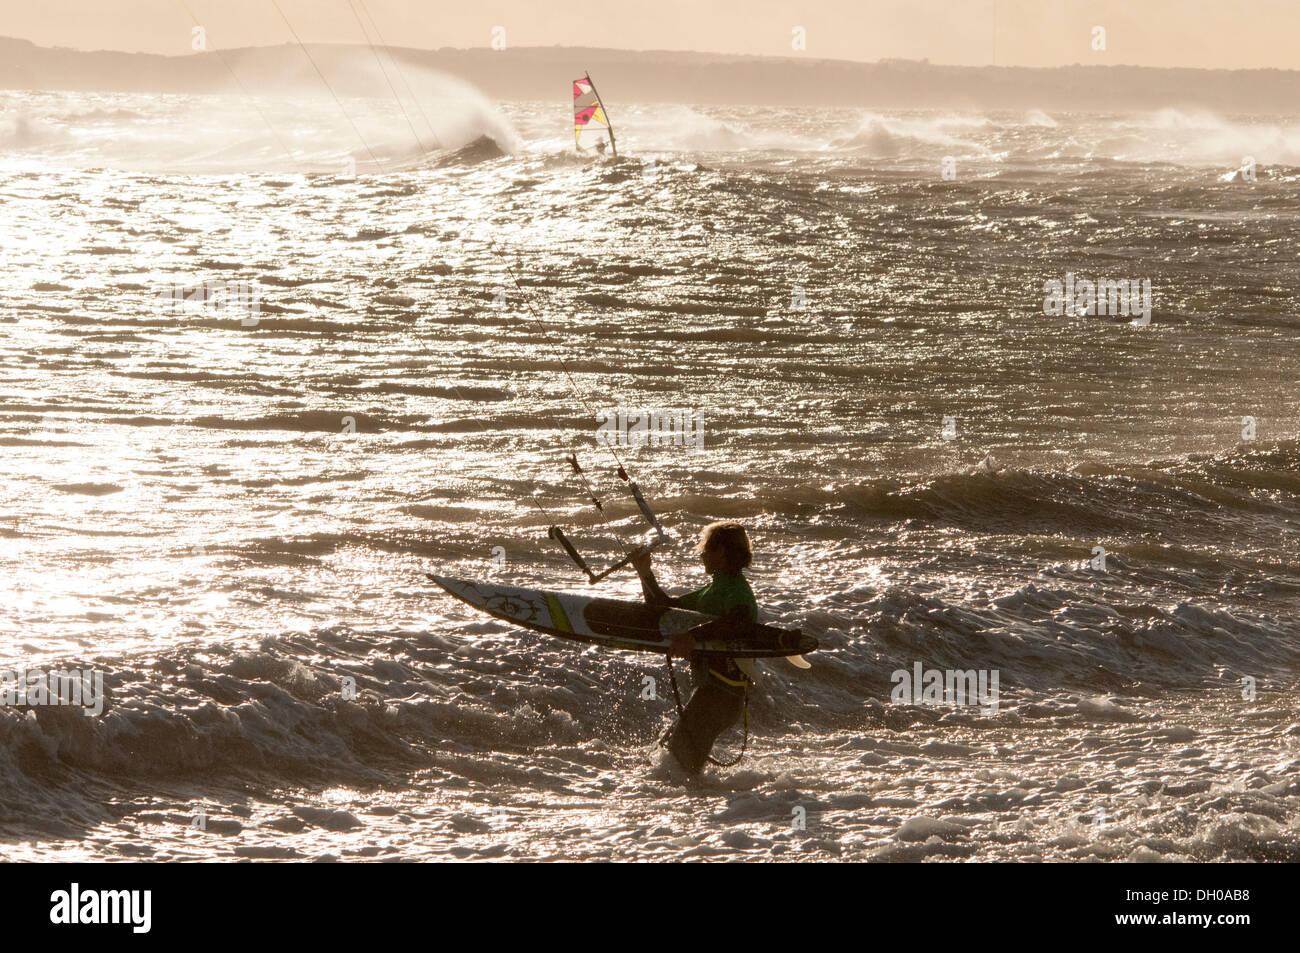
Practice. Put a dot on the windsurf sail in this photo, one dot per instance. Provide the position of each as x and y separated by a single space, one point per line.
588 110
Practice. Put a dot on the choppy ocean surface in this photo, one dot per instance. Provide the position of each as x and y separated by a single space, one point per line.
229 518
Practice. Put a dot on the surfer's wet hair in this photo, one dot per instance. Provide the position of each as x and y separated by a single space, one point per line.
729 539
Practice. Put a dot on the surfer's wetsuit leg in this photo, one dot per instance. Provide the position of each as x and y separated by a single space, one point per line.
713 708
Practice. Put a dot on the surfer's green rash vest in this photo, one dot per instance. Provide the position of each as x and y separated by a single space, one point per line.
727 591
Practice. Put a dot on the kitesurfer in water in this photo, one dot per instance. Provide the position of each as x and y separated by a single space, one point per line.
719 684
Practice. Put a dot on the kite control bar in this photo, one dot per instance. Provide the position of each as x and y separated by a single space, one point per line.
557 534
660 536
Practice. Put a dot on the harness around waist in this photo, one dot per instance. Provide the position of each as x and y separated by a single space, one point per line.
729 681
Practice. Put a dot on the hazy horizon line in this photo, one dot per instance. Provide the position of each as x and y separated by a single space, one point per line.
924 61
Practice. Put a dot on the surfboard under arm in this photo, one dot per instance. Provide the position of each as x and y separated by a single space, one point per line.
623 624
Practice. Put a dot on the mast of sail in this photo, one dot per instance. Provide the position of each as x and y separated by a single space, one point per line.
613 147
588 108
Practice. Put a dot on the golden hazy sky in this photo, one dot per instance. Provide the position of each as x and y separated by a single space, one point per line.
1229 34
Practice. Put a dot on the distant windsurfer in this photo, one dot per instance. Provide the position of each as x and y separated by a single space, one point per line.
719 684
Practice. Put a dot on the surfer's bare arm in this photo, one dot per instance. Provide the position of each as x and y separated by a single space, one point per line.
683 644
654 593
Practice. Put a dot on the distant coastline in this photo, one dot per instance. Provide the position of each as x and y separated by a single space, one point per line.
662 76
